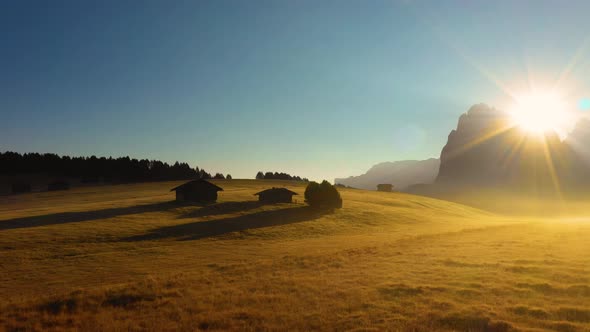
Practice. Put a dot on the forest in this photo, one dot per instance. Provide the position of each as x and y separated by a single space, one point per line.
95 169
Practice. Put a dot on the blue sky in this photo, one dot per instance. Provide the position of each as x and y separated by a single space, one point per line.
321 89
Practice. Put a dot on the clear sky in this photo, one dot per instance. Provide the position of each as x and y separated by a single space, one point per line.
320 89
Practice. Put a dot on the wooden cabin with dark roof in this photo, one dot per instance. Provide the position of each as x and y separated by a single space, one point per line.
197 191
276 195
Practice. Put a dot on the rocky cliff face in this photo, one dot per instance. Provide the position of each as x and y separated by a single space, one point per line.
577 174
474 150
399 173
486 151
579 139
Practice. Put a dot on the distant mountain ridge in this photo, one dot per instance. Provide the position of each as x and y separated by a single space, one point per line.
486 151
401 174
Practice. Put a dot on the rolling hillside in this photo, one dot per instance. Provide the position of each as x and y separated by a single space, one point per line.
128 258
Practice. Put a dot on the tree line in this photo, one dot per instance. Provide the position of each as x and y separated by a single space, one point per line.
94 169
278 176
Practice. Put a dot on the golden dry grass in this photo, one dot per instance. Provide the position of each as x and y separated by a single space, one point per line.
117 258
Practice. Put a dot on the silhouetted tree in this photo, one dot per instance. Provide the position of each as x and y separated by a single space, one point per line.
204 175
259 176
323 195
228 177
219 176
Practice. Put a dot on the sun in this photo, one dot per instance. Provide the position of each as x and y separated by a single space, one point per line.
540 113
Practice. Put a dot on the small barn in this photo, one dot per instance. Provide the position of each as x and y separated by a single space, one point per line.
58 185
387 187
276 195
197 191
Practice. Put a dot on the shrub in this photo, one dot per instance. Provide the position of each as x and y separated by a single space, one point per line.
322 195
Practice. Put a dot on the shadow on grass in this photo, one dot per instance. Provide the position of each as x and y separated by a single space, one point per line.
222 208
203 229
206 209
74 217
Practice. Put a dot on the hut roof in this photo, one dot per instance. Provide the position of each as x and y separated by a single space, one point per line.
196 184
276 190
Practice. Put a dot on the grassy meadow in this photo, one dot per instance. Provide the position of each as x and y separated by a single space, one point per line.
127 258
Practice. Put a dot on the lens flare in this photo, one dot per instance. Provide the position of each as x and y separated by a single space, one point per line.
584 104
540 113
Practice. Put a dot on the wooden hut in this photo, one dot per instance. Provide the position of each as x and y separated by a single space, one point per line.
276 195
197 191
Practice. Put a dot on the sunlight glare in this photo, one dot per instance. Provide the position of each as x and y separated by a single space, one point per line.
540 113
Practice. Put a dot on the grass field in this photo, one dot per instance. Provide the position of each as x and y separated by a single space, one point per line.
126 257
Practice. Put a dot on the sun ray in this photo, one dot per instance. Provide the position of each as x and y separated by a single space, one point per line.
551 166
541 112
483 71
479 140
529 74
513 152
580 51
453 44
